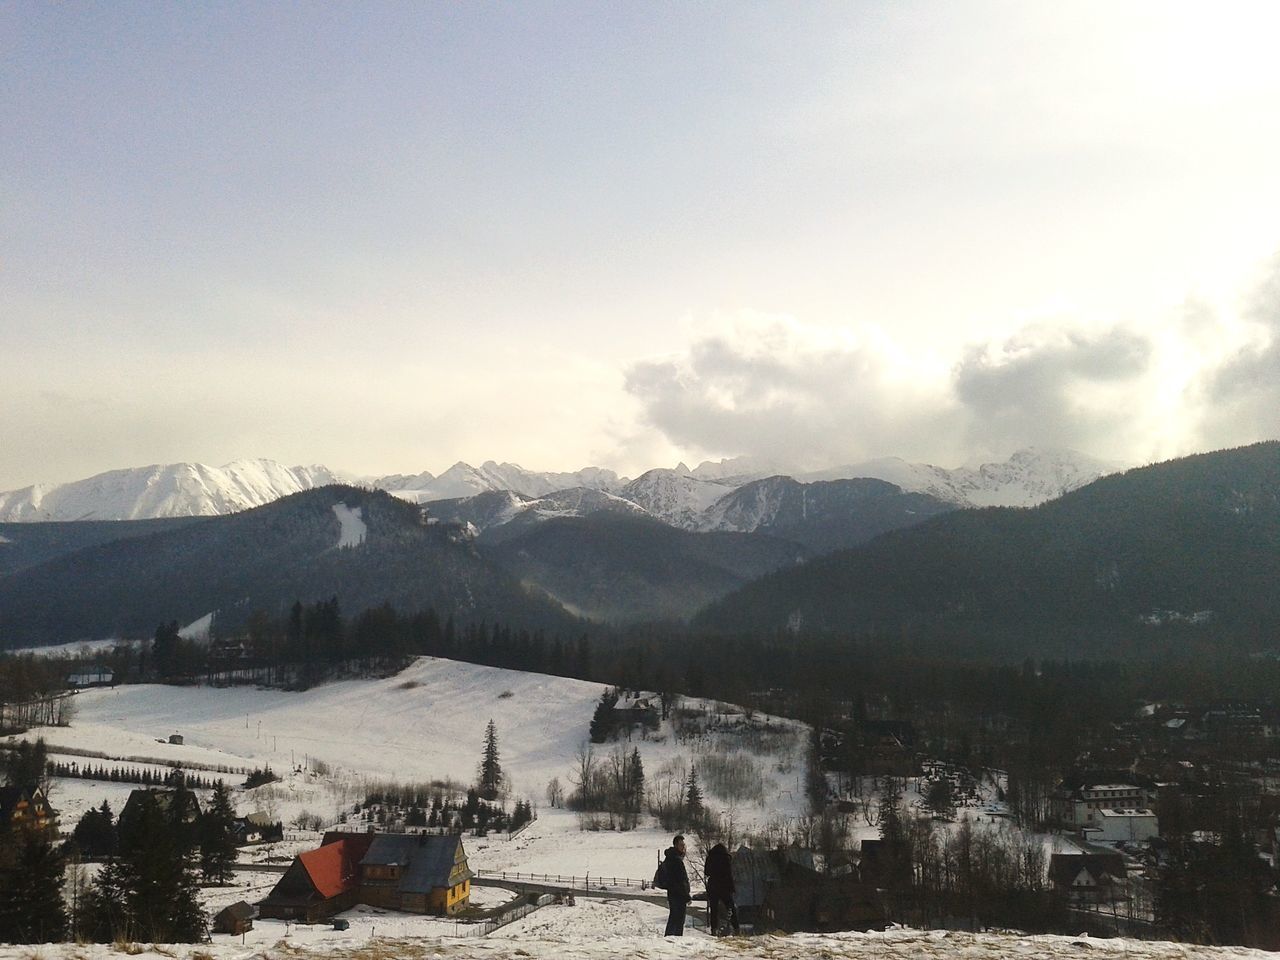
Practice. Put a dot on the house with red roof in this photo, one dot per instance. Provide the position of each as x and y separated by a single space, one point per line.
415 873
319 883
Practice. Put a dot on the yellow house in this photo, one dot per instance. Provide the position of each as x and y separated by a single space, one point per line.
416 874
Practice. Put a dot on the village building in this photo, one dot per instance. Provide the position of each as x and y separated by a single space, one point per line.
164 799
1126 825
1088 877
1079 803
256 828
94 676
28 808
235 919
415 873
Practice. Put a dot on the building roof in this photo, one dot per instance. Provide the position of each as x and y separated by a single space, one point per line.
1127 812
332 867
1065 867
427 861
240 910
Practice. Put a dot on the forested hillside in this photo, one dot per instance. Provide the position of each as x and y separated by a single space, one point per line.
620 568
265 559
1185 552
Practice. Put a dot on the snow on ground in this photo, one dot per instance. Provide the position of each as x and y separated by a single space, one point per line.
553 845
75 648
606 932
331 743
353 526
73 796
428 723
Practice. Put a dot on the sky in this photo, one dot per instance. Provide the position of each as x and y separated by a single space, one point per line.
385 237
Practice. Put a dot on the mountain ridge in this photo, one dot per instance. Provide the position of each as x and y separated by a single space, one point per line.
679 496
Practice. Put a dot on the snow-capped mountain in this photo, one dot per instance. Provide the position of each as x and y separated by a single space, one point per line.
464 480
163 490
1027 478
675 496
514 512
737 469
679 496
823 515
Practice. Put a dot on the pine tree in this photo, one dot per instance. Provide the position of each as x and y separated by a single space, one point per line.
635 782
217 842
602 723
490 782
149 892
31 905
95 833
693 795
896 858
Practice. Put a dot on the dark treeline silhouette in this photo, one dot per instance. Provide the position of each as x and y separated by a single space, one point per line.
139 775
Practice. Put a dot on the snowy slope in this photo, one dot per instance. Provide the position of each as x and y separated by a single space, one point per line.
514 513
425 723
464 480
675 496
163 490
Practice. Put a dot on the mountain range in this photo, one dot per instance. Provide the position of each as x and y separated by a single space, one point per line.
1153 559
679 496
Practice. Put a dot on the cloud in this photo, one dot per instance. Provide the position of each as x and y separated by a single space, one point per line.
1243 393
1053 387
771 387
1191 379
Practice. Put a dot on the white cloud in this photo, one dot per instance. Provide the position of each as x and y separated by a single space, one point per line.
769 386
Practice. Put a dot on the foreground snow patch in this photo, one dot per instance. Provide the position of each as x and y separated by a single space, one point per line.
589 942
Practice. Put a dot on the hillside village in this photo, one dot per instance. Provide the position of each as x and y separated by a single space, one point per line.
860 822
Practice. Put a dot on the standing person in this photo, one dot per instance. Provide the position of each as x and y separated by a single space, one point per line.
678 892
718 872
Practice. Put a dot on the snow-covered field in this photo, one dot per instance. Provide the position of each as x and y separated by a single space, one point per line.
424 724
332 743
620 930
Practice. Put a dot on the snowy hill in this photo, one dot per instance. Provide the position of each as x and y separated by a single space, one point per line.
509 514
163 490
464 480
675 496
427 724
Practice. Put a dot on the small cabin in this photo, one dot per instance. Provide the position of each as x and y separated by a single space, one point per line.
235 919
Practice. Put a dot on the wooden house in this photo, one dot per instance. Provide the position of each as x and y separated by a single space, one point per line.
164 799
415 873
235 919
1087 877
319 883
28 808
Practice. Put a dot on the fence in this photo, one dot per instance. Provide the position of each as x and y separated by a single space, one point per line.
511 916
555 879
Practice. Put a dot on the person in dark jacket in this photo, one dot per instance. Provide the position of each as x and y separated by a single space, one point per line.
678 892
718 872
